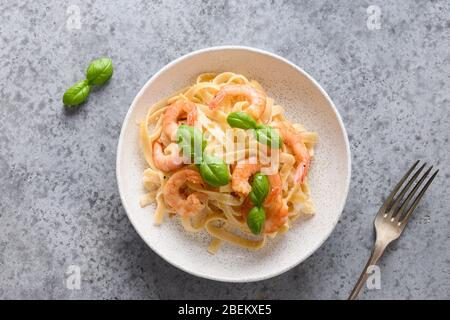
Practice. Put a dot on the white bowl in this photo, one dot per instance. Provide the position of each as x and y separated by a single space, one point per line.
305 102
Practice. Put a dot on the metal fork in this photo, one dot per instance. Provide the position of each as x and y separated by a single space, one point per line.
393 216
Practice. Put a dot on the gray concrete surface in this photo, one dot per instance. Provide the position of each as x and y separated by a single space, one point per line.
59 200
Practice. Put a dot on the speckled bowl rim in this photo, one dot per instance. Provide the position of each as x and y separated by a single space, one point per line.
321 90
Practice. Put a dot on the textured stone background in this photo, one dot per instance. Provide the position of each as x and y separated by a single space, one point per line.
59 200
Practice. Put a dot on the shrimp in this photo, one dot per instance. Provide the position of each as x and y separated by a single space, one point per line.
255 97
241 173
295 141
276 210
174 112
185 206
169 159
274 207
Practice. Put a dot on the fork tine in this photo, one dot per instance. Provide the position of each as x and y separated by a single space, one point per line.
399 198
418 198
388 201
405 202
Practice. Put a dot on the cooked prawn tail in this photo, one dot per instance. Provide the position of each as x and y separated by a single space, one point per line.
195 179
217 100
192 117
174 112
174 197
273 225
302 171
169 161
242 173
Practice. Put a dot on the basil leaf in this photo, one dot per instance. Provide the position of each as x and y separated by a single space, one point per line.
191 141
214 171
260 189
241 120
99 71
269 136
256 219
77 94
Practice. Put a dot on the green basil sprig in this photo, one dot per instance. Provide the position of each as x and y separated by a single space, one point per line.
260 189
264 134
269 136
98 72
191 141
241 120
214 171
77 93
256 219
257 216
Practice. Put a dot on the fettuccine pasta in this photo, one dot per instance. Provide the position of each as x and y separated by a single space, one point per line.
257 186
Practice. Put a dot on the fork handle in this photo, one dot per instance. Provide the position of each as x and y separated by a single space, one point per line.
377 252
